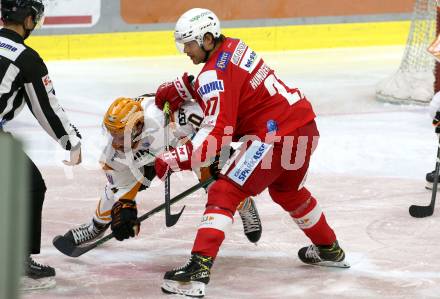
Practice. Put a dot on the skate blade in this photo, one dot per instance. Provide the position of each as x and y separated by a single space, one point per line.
194 289
30 284
341 264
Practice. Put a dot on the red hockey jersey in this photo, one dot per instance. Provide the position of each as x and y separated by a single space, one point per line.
241 95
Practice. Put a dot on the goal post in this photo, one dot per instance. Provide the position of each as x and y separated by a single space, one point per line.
13 215
414 80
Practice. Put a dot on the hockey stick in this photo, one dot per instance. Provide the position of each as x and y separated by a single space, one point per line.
425 211
148 95
66 247
170 219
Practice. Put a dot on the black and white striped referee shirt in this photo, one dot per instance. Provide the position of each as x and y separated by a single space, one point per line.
24 78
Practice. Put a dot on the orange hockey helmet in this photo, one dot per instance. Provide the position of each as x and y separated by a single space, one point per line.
122 112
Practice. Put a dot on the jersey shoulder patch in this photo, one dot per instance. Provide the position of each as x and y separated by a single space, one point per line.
223 60
245 57
209 84
238 53
10 49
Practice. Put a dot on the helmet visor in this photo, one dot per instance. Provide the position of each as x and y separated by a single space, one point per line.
180 47
179 40
39 17
127 138
121 141
39 21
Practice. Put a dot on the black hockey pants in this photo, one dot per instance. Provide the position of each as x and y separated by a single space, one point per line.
37 190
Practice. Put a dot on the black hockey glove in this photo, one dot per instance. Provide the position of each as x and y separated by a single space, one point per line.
436 119
219 161
214 168
124 219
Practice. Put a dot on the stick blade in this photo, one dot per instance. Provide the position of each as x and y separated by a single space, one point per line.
65 246
171 220
421 211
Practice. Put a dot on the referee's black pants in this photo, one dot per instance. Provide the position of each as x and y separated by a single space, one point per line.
37 190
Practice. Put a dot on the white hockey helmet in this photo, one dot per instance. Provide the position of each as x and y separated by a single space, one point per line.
193 25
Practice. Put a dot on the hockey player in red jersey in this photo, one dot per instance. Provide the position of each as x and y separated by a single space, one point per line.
135 128
243 100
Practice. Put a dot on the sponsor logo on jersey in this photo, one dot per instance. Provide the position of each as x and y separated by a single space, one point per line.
213 87
110 178
302 222
216 221
181 89
46 80
181 117
223 60
182 153
260 75
207 218
195 18
48 84
247 164
9 47
310 219
250 60
238 53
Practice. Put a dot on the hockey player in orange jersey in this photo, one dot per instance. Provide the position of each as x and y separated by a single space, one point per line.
243 100
135 128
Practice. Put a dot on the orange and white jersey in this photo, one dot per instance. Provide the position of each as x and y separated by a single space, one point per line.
185 122
126 172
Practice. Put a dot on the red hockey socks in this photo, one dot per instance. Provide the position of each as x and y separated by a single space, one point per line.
211 232
311 220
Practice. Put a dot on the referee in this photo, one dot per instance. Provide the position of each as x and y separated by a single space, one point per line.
24 79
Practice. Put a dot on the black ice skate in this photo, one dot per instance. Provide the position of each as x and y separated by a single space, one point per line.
86 233
189 280
430 180
328 256
251 220
37 276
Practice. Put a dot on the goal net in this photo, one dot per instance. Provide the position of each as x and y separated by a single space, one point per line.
413 82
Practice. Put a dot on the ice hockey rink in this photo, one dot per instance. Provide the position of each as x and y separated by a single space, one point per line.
368 169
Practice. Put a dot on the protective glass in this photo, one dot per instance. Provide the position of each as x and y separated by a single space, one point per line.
126 139
39 19
178 39
118 140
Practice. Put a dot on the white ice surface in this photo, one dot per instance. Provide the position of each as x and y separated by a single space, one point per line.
368 168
